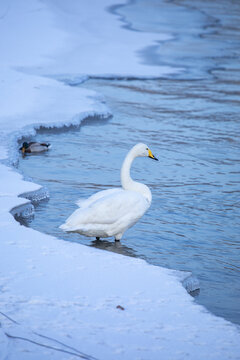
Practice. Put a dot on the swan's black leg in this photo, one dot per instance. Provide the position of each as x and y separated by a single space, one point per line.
117 240
97 238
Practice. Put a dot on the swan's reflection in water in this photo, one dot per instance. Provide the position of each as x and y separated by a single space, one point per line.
114 246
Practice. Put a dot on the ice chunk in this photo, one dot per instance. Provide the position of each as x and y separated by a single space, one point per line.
37 196
23 211
191 284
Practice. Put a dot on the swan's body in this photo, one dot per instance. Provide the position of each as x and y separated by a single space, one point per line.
34 147
111 212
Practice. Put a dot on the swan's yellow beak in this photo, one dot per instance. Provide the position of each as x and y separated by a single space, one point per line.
23 150
150 154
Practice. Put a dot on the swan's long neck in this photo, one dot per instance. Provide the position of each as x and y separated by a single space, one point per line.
128 183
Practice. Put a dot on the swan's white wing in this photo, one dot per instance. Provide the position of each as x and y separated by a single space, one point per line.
109 215
83 203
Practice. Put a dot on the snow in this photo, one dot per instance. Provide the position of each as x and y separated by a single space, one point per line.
61 300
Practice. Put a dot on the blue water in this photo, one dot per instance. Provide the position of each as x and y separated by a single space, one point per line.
191 123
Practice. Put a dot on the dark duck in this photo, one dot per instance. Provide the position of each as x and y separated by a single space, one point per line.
34 147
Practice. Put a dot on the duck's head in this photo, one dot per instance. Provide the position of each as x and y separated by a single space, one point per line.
24 146
143 150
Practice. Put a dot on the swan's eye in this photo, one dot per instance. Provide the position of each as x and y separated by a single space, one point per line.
146 148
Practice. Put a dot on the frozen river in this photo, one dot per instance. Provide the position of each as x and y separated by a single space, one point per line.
191 123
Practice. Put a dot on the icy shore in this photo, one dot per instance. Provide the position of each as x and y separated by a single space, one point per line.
63 300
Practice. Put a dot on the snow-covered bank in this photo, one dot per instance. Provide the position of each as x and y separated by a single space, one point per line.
70 292
57 299
98 43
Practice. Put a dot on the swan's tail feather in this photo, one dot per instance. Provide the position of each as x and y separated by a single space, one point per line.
64 227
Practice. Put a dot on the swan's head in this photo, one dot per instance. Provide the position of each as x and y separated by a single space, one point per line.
143 150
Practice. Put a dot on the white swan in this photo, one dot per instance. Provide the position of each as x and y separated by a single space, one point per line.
111 212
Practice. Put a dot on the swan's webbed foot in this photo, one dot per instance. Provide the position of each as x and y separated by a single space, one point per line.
118 237
117 240
97 238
